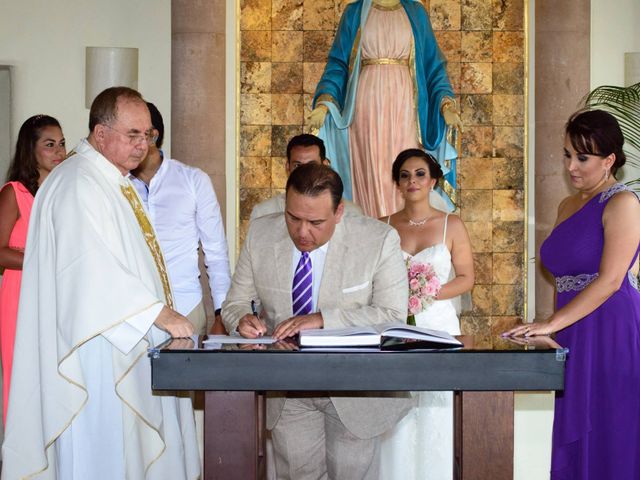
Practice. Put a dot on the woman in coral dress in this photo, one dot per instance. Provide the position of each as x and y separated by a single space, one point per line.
592 252
40 147
420 447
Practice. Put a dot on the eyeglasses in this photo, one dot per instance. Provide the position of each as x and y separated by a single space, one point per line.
137 138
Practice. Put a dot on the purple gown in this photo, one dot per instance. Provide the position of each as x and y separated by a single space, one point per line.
596 430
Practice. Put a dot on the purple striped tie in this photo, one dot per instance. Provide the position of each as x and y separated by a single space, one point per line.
302 291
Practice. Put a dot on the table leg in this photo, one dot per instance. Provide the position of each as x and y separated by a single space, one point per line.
233 435
484 435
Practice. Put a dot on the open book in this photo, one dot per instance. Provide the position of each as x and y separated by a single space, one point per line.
388 336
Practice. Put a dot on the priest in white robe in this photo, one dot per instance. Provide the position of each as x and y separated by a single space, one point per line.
95 297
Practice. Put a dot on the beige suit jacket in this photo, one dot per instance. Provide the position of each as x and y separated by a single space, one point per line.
364 282
276 204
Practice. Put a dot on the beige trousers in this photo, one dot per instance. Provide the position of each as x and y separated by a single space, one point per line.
311 443
198 317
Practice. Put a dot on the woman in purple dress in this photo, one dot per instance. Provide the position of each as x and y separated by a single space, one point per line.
592 252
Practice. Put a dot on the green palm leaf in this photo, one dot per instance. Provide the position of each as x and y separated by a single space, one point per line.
624 104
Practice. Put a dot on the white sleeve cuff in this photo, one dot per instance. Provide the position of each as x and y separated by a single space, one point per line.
127 334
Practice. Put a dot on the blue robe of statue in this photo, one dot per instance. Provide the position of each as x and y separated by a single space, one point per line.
338 85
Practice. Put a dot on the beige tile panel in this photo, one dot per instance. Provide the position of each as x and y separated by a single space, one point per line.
507 268
483 267
476 14
481 300
255 15
311 73
476 78
445 14
508 205
286 14
507 300
475 173
255 140
255 109
477 46
508 46
508 15
480 235
477 141
449 43
508 141
318 15
255 77
508 110
255 46
286 77
508 173
286 46
508 78
476 109
508 237
286 109
278 172
476 205
255 172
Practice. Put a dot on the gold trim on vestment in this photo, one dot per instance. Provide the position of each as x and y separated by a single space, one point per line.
54 437
136 412
150 237
385 61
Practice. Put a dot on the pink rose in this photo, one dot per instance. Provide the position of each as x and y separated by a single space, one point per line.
415 306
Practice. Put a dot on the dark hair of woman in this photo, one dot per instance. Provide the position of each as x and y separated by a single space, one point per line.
434 168
24 166
596 132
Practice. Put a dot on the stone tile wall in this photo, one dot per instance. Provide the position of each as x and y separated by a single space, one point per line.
284 44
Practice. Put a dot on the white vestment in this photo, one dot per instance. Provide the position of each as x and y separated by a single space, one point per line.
81 396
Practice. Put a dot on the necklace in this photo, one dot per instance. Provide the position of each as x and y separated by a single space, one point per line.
419 223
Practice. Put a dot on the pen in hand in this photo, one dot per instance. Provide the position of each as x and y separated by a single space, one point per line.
254 310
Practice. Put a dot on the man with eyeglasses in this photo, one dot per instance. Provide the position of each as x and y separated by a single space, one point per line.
184 211
96 297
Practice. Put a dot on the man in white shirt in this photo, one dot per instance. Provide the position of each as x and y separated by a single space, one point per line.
301 149
95 297
183 209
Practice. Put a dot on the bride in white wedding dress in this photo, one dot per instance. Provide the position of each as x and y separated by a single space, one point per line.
420 447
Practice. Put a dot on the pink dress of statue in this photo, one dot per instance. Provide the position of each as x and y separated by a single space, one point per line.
10 289
384 121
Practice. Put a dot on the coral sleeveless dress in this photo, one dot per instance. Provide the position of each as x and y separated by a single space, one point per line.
10 290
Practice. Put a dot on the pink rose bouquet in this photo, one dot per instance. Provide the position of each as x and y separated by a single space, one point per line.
424 287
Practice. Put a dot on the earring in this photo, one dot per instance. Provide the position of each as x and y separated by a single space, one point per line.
606 175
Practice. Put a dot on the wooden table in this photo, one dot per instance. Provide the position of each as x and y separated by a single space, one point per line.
484 382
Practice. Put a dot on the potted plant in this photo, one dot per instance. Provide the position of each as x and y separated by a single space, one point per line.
624 104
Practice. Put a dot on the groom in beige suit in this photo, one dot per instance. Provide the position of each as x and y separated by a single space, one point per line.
355 275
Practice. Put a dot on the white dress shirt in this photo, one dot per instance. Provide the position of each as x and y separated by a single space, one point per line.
183 209
317 257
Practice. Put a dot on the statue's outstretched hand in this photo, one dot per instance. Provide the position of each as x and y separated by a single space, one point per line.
452 119
316 117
